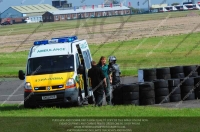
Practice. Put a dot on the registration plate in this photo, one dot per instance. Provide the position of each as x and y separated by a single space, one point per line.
49 97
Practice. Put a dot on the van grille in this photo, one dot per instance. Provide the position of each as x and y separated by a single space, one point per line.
57 86
39 88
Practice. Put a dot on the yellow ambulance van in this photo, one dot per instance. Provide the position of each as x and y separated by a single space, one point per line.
56 72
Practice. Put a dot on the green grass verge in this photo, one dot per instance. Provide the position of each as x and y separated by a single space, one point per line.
63 25
150 53
153 119
14 110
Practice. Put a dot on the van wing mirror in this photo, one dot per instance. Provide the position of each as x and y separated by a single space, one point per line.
80 69
21 75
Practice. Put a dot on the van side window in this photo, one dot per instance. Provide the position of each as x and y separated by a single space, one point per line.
77 61
87 60
88 53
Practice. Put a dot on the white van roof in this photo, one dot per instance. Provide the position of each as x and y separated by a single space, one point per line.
55 46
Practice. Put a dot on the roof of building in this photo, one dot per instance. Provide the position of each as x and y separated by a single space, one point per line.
58 12
159 6
34 8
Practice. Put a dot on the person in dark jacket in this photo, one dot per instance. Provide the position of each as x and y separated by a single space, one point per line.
98 82
115 72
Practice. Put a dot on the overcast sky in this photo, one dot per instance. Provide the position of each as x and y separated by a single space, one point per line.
4 4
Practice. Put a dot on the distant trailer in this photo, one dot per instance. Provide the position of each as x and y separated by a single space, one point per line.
181 7
190 6
196 7
162 9
170 8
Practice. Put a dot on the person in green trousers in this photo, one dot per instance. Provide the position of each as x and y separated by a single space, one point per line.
104 67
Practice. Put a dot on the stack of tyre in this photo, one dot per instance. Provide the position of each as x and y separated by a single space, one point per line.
161 91
117 95
149 75
197 87
147 94
177 72
190 71
163 73
187 89
130 94
174 90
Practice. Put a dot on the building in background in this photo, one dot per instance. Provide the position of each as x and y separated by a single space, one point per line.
19 14
63 15
61 4
107 2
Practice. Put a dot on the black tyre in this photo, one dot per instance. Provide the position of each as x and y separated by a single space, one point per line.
147 94
187 89
197 84
161 84
188 96
175 98
149 101
149 72
146 86
177 75
117 92
149 78
197 81
162 99
161 92
187 82
28 105
174 90
164 70
134 87
176 69
193 74
117 101
173 82
130 96
164 76
131 102
197 95
188 69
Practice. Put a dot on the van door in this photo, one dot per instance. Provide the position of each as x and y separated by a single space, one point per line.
86 62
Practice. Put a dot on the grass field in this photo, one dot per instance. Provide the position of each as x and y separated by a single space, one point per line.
153 119
151 52
105 111
29 28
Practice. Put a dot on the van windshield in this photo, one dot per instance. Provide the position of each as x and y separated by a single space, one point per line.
50 64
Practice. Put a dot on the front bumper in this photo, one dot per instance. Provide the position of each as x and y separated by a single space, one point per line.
63 96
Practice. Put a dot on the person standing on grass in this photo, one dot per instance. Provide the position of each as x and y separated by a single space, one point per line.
97 78
104 67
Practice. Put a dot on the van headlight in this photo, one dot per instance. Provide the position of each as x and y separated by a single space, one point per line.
27 86
70 83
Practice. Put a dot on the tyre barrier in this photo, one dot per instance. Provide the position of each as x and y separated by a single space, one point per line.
190 71
163 73
187 89
149 75
161 91
160 85
146 93
197 87
130 94
174 90
177 72
117 95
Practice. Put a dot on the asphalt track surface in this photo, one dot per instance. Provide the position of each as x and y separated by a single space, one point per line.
11 92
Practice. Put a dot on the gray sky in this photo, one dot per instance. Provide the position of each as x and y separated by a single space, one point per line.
4 4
